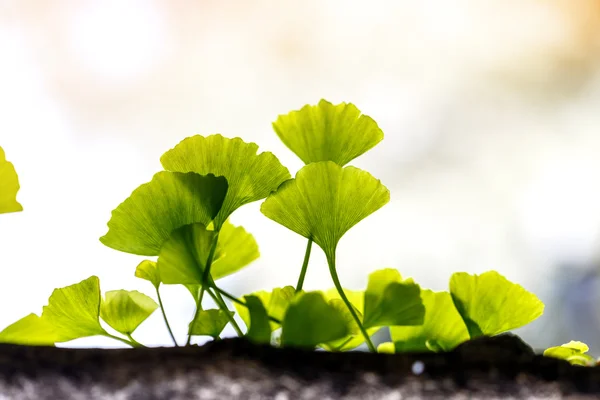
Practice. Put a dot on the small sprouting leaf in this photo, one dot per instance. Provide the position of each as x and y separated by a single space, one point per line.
386 348
573 352
328 132
31 331
183 257
125 310
259 329
9 186
310 321
324 201
148 270
443 328
389 301
250 176
237 249
490 304
209 323
142 223
275 303
74 311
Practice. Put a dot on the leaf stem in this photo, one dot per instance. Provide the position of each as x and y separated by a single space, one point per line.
162 309
338 286
196 312
135 342
304 266
223 307
120 339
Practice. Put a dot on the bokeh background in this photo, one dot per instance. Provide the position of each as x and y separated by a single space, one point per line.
490 109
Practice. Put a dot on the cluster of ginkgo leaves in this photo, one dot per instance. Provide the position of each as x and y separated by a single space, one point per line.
181 219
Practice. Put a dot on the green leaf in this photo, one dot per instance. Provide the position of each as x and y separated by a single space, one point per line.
573 352
328 132
237 249
73 311
31 331
443 328
354 337
148 270
9 186
324 201
183 257
209 323
386 348
490 304
389 301
250 176
125 310
275 302
142 223
310 321
259 329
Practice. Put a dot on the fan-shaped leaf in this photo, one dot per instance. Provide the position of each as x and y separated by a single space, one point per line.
9 186
324 201
275 303
31 331
126 310
259 329
73 311
328 132
443 328
148 270
250 176
142 223
389 301
573 352
209 323
237 249
310 321
490 304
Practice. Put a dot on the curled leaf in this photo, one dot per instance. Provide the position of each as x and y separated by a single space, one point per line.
237 248
125 310
148 270
573 352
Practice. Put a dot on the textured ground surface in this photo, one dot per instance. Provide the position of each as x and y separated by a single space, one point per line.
502 368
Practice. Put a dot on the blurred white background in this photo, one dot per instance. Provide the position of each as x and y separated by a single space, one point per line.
490 109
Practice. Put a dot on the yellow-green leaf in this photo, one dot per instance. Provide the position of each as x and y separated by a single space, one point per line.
209 323
275 303
237 249
125 310
259 329
31 331
148 270
573 352
9 186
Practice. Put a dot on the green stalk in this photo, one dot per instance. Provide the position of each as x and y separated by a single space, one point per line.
338 286
198 309
135 342
304 266
162 309
127 342
223 307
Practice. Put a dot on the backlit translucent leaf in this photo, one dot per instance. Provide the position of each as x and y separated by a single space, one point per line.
73 311
148 270
251 177
143 222
209 323
390 301
237 249
324 201
328 132
573 352
310 321
125 310
183 257
443 328
275 302
490 304
354 337
9 186
31 331
259 329
386 348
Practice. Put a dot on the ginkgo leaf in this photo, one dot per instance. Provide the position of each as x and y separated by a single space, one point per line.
391 301
443 328
259 328
74 311
250 176
237 249
275 303
354 337
328 132
209 323
148 270
183 257
324 201
142 223
125 310
490 304
31 331
573 352
310 321
9 186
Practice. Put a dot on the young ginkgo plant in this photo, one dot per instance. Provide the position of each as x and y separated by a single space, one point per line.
181 219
